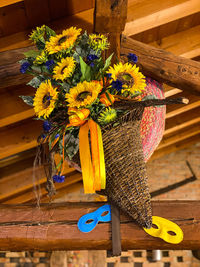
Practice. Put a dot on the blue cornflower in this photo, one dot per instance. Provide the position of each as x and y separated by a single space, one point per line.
132 57
91 57
43 136
117 85
109 75
24 67
49 64
58 178
92 64
47 126
56 136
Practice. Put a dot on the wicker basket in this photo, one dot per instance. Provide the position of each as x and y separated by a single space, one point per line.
126 178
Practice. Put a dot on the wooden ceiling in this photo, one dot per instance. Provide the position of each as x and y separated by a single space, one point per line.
172 25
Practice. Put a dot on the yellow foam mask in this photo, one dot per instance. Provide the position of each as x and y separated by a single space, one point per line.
169 231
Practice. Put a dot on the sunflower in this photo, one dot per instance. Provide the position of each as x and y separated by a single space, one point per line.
62 41
42 58
107 116
64 69
132 80
44 100
98 42
83 94
38 33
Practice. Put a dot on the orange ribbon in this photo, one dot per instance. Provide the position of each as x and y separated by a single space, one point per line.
93 171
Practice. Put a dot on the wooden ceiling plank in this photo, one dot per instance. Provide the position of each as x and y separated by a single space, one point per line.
13 108
185 43
76 187
37 12
70 185
176 111
23 180
83 20
174 147
182 120
179 10
179 136
19 138
170 91
4 3
157 33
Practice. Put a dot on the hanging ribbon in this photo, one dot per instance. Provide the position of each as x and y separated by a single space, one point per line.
93 171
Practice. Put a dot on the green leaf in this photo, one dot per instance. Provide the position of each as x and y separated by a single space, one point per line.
85 70
27 99
108 62
31 53
36 68
35 82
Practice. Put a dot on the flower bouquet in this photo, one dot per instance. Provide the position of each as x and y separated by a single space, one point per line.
91 115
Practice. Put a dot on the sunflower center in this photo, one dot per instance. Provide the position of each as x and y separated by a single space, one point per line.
46 100
126 78
98 39
62 71
83 95
63 39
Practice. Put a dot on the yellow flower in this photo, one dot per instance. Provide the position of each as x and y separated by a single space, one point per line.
62 41
107 116
98 41
132 80
42 58
44 100
83 94
64 69
37 33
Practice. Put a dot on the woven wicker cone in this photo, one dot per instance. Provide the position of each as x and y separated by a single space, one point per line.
126 178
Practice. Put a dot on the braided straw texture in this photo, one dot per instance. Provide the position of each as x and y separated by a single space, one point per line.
126 178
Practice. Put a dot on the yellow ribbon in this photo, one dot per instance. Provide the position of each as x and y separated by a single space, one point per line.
93 171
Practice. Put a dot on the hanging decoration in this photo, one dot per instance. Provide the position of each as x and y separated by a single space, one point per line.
92 113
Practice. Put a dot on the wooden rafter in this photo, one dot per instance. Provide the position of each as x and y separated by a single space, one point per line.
163 66
54 227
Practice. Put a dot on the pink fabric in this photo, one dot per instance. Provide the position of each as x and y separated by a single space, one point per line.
153 120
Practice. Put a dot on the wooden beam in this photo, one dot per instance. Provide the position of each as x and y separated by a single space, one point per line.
54 227
163 66
157 13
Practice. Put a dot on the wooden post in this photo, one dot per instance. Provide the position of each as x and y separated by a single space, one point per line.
54 227
110 18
